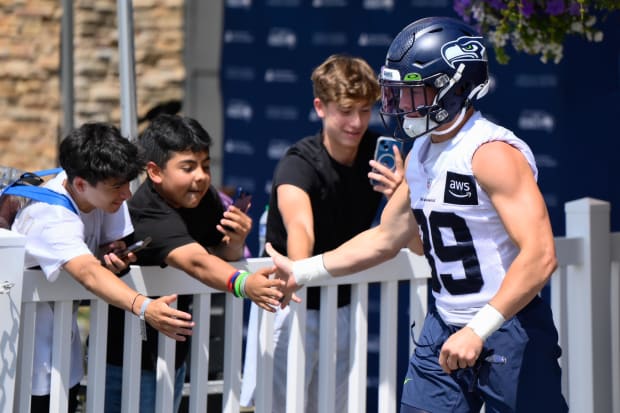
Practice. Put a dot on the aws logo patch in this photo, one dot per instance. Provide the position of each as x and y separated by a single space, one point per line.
460 189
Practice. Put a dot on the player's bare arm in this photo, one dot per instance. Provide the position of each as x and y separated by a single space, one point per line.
369 248
378 244
508 179
505 175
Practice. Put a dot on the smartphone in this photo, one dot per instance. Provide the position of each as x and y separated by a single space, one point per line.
242 199
384 153
135 247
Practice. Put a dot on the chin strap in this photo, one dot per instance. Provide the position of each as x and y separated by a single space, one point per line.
455 123
477 92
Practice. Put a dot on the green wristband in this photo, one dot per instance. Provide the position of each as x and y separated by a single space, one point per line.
237 290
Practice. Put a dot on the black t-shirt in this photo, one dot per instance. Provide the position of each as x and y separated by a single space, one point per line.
343 201
169 228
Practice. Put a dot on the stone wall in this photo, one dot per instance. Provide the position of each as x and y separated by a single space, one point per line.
30 102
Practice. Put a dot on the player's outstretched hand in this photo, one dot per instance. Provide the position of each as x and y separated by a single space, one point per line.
167 320
461 350
263 291
284 271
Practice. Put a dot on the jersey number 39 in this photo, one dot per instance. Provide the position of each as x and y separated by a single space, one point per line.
462 250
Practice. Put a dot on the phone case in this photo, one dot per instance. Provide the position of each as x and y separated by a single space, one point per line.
242 199
384 154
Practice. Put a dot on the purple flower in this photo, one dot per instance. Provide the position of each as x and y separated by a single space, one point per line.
527 8
574 9
555 7
460 7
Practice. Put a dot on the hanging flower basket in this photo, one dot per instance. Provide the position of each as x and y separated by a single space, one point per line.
536 27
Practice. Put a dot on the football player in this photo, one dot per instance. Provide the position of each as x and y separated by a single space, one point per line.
470 203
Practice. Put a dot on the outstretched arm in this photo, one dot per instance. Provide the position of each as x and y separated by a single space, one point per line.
215 272
87 269
371 247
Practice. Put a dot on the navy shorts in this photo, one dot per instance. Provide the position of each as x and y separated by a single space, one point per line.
520 374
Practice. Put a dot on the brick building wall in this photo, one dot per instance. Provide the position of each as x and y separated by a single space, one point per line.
30 101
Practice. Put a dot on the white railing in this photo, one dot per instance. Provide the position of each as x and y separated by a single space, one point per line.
585 300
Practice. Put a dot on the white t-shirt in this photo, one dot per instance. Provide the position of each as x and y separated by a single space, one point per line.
465 241
54 236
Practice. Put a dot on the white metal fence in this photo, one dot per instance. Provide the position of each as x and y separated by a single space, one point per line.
584 294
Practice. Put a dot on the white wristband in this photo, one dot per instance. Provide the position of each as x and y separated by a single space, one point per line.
145 304
310 269
486 321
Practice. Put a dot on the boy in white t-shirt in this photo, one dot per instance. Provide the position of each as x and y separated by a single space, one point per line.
98 165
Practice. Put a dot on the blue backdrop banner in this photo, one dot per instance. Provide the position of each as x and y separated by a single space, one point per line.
567 112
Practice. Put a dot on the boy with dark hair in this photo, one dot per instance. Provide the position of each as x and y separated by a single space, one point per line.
179 209
98 165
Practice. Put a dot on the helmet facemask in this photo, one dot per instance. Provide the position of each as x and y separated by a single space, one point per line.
436 100
415 102
440 54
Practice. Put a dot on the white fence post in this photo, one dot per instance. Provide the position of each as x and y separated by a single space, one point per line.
588 297
12 259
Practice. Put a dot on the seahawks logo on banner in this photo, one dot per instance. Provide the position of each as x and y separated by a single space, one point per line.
463 49
460 189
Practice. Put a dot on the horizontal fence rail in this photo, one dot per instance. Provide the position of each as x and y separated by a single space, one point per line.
585 297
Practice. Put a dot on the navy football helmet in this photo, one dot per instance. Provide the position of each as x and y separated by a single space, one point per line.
435 69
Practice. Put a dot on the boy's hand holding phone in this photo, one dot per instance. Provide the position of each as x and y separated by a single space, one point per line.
135 247
387 166
118 256
242 199
235 223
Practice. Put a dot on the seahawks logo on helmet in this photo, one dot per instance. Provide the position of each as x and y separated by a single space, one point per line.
463 49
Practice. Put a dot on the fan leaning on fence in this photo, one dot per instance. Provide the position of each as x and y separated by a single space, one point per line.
98 165
181 212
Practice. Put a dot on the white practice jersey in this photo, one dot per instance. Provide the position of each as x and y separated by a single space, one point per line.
465 242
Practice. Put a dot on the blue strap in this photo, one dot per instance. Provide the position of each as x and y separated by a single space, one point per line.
38 193
41 194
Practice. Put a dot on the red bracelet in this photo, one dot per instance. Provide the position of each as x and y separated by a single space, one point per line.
231 280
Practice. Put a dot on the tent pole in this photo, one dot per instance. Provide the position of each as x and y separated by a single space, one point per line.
126 62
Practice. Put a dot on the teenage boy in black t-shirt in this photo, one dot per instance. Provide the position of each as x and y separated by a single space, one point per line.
190 230
321 196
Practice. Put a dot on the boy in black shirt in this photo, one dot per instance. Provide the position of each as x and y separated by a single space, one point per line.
321 196
190 230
